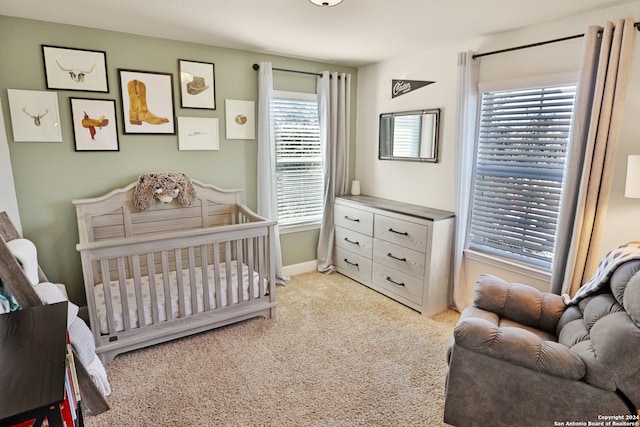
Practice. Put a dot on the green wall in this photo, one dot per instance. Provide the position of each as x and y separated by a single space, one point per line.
49 175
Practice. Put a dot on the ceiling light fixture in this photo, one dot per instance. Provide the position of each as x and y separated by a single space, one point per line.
326 3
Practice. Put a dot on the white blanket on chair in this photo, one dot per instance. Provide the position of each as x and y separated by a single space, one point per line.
79 334
50 293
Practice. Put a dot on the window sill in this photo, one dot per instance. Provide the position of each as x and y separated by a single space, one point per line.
298 228
512 266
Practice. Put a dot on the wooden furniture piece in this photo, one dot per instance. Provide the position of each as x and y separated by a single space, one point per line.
14 278
402 251
212 260
32 355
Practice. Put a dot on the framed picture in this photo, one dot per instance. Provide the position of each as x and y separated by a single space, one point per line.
75 69
35 115
94 124
197 84
198 133
240 119
147 102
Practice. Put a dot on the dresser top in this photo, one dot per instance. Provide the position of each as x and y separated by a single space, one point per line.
399 207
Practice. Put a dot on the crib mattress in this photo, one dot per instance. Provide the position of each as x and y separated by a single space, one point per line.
175 304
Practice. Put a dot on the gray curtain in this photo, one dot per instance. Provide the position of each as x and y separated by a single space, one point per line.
267 190
596 127
334 101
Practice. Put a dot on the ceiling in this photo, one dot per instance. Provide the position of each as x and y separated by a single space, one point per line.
353 33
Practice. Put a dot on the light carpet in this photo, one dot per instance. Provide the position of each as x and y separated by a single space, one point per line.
337 354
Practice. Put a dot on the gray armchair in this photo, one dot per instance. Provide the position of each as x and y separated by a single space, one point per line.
522 357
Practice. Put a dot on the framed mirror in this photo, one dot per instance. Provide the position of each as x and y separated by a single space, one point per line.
409 135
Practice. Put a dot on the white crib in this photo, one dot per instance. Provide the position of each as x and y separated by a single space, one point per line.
172 271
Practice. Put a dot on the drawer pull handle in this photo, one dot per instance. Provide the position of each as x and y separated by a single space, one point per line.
348 218
389 279
404 233
355 264
351 241
390 255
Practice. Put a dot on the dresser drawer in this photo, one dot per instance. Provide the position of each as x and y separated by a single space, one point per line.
398 282
353 265
399 257
355 242
353 219
404 233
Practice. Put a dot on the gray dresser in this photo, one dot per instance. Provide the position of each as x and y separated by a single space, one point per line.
402 251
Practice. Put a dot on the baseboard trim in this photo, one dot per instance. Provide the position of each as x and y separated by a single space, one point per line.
303 267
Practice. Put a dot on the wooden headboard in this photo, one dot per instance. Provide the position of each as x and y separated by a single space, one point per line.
114 215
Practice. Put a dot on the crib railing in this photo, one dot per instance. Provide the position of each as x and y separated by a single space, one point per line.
202 255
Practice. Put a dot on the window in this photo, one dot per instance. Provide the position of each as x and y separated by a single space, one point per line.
300 179
522 145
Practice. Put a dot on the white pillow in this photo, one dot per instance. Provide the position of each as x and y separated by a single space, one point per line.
25 251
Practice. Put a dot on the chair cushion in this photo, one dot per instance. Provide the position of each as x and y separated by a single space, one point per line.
520 303
603 329
625 287
519 346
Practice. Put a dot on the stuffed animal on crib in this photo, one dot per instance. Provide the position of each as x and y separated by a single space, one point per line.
164 187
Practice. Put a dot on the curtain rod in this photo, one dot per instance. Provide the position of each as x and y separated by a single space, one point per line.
526 46
257 67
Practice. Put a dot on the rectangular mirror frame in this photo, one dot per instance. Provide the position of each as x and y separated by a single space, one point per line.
385 144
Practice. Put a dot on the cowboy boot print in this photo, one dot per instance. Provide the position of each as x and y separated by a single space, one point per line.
138 109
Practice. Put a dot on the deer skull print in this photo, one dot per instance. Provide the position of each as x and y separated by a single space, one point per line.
36 117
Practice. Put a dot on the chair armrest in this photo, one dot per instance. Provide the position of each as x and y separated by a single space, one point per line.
520 347
521 303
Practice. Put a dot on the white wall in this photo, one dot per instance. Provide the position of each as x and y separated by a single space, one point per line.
428 184
434 185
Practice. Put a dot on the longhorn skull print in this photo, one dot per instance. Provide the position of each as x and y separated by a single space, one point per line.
75 74
36 117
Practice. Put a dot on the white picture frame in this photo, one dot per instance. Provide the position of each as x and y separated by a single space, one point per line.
198 133
35 115
240 119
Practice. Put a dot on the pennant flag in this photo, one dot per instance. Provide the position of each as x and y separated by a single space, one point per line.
400 87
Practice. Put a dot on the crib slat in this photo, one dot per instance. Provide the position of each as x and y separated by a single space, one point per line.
137 286
204 267
151 272
216 274
180 283
262 265
192 280
106 288
168 312
227 264
124 294
250 250
239 264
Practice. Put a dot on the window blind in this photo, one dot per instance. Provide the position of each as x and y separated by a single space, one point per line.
521 154
300 182
407 136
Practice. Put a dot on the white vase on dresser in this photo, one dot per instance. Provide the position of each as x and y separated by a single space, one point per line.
401 250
